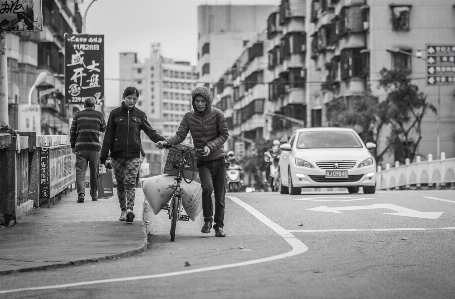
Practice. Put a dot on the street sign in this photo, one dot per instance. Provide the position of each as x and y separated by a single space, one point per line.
84 68
239 149
440 65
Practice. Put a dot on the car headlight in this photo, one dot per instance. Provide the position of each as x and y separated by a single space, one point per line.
366 162
303 163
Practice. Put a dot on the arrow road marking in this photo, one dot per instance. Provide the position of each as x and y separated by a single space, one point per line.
332 198
399 211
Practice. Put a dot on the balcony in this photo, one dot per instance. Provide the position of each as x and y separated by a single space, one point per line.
353 40
352 87
294 96
294 25
294 61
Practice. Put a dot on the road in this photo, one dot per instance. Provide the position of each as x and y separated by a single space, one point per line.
393 244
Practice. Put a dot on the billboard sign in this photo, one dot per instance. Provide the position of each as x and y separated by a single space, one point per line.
440 65
84 68
21 15
29 117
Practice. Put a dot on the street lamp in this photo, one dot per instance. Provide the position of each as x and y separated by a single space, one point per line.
85 16
38 81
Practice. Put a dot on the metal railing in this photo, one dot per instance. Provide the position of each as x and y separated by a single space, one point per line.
431 173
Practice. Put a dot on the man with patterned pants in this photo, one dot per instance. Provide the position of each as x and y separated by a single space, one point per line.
123 141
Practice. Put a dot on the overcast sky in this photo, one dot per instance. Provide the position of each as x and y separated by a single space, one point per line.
132 25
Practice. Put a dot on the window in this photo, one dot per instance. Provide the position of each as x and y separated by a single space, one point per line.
352 63
316 117
401 60
400 17
206 69
205 49
139 71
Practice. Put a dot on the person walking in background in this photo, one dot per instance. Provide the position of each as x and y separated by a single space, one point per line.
209 130
84 138
123 141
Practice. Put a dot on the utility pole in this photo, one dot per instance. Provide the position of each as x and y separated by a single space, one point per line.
4 122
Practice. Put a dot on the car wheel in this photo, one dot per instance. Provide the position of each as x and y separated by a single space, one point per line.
353 189
369 190
292 190
283 189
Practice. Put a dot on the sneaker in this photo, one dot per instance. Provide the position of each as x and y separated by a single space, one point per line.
122 216
207 226
80 198
129 216
219 232
94 199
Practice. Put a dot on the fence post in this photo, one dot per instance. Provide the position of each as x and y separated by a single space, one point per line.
8 160
407 161
443 170
430 172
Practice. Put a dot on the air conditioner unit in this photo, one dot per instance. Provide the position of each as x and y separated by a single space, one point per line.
303 49
366 25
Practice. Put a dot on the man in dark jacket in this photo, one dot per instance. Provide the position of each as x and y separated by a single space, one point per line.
209 130
123 141
84 138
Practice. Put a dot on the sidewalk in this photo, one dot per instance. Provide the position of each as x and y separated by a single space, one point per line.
69 233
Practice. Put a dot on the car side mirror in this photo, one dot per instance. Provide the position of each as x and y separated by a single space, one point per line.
370 145
285 147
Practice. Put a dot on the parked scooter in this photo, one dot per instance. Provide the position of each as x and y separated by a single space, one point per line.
273 179
233 181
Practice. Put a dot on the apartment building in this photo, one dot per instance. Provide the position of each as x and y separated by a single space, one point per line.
30 53
223 32
352 40
165 88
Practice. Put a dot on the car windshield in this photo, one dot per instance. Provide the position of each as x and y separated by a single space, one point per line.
328 139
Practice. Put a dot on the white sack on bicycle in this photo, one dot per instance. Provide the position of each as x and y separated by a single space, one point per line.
158 191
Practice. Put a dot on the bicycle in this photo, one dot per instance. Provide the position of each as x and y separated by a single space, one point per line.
175 205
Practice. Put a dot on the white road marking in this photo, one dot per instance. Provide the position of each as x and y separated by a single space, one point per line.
440 199
332 198
368 229
399 211
297 248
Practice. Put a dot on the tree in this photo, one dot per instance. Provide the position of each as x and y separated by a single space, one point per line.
405 107
364 113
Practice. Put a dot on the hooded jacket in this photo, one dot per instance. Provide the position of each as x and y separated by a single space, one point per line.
123 137
208 128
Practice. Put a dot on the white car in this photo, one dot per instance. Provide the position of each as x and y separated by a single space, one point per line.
327 157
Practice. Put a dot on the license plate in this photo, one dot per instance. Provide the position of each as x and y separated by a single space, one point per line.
336 174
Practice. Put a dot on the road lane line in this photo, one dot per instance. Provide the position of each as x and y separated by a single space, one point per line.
440 199
368 229
297 248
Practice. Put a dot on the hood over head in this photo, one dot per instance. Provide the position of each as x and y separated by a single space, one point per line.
205 92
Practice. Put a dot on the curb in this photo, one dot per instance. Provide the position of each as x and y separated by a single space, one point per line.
129 253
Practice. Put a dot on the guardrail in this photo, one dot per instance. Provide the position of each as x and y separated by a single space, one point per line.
35 169
431 173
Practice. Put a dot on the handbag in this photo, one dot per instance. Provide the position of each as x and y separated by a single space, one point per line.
105 185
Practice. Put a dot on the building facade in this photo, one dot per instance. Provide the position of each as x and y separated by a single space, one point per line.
223 32
352 40
165 88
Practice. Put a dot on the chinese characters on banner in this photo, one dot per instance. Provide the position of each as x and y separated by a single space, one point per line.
84 68
44 173
20 15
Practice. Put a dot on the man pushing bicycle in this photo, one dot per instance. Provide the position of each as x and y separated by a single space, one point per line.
209 130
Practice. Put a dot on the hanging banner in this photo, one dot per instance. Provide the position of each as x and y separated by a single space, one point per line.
21 15
84 68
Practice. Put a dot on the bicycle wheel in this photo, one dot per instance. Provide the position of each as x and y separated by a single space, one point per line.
175 213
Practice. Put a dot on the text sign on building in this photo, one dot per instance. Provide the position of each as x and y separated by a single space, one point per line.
84 68
29 117
20 15
440 64
239 149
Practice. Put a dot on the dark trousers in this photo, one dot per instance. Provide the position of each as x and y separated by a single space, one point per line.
213 179
92 158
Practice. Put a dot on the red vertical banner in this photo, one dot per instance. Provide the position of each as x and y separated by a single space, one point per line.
84 68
